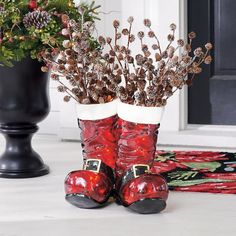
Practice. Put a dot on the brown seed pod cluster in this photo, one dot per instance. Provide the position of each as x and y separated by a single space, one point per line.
93 73
83 74
153 75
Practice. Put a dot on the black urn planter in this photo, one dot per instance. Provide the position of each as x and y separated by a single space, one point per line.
24 102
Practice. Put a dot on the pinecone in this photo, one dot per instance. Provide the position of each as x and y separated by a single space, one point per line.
38 19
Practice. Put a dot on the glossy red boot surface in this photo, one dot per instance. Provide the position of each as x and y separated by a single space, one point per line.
92 186
88 188
99 140
145 194
138 188
136 145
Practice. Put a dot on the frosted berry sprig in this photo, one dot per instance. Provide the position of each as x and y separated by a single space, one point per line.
83 74
154 74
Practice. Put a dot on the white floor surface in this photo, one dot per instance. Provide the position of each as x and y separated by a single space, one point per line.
36 207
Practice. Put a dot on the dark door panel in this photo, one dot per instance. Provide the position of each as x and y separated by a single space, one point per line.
212 99
225 33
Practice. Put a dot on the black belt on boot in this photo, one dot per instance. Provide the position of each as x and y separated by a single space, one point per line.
96 165
133 173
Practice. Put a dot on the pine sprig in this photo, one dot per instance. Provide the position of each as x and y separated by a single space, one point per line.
39 33
59 5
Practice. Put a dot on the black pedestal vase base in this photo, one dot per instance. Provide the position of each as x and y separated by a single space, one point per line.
19 160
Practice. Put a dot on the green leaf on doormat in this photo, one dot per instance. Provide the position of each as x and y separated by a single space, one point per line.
181 183
211 166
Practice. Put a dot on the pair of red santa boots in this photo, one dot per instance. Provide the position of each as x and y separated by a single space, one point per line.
118 156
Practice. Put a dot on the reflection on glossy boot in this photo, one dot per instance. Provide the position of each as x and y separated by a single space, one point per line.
141 191
137 188
92 186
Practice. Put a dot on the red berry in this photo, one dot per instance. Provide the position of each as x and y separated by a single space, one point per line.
32 4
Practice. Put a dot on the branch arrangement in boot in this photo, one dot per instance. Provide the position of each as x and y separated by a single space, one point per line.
83 74
98 71
154 74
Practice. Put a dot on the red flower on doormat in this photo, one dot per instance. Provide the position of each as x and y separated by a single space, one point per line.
196 156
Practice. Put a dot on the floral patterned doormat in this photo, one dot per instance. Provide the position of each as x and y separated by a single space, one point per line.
198 171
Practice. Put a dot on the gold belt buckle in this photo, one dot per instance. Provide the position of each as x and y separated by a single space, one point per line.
98 166
135 167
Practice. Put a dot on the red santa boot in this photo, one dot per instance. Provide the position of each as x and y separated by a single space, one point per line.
92 186
137 188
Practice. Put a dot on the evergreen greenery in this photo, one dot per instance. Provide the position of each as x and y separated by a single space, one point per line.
18 42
